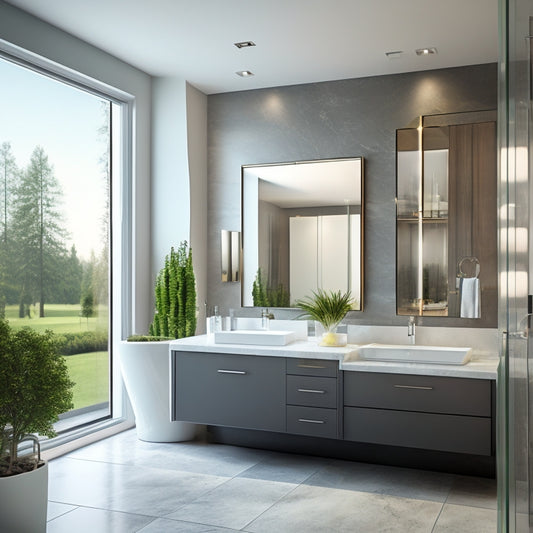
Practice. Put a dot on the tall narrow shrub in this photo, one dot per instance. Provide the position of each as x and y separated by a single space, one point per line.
175 296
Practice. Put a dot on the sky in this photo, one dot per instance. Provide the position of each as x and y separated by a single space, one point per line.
38 111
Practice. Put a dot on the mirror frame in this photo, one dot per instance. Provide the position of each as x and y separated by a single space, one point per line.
361 278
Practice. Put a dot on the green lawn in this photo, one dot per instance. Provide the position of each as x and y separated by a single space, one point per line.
60 318
90 371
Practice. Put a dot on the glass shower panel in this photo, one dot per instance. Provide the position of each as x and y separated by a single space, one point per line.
516 158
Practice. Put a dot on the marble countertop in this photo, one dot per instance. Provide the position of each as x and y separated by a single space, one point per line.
299 348
478 368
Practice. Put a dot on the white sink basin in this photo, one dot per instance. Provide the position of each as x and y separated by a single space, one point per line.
260 337
441 355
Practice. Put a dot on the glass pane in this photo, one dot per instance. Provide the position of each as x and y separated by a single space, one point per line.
54 228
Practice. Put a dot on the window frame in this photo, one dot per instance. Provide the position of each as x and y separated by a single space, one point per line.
121 235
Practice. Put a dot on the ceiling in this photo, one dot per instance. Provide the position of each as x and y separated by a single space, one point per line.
297 41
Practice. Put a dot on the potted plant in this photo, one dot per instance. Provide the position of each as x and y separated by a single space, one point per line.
144 359
328 308
35 389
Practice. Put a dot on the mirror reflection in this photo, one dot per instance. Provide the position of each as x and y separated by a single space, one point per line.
446 242
302 228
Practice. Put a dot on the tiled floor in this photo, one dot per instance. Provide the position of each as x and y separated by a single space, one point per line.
122 484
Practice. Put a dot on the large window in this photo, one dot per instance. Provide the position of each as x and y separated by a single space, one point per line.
56 143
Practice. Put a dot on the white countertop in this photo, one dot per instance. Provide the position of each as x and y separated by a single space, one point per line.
478 368
308 349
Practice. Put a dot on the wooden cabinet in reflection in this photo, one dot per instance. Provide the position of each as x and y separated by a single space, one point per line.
446 217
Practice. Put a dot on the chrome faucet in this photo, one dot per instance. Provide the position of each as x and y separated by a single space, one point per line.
411 329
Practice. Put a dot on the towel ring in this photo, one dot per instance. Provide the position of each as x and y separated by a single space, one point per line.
470 259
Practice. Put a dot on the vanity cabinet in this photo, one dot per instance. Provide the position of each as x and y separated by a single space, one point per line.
313 394
312 397
229 390
414 411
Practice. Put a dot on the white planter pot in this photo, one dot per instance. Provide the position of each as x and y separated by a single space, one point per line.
24 501
146 372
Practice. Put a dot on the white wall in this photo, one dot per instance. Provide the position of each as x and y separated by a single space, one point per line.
170 169
179 176
197 150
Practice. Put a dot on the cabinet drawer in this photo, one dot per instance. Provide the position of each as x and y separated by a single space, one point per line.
312 391
449 433
241 391
312 367
430 394
312 421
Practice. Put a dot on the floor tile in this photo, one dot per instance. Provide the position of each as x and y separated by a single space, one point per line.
394 481
83 520
319 509
463 519
122 484
287 468
474 492
162 525
57 509
194 456
234 504
126 488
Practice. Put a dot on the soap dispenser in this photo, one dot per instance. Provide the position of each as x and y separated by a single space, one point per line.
411 329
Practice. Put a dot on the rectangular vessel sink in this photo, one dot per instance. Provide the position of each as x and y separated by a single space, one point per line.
260 337
441 355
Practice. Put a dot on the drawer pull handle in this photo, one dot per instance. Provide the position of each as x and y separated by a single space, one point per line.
308 421
413 387
312 391
240 372
310 366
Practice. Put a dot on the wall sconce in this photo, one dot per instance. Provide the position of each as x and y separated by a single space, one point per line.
230 247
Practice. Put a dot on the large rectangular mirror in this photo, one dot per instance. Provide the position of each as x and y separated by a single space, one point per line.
302 230
446 239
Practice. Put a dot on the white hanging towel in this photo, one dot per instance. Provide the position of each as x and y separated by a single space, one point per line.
470 298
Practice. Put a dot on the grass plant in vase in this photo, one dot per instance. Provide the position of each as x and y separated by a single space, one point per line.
328 308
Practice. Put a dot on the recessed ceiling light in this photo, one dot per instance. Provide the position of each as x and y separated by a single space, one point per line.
244 44
395 54
244 73
425 51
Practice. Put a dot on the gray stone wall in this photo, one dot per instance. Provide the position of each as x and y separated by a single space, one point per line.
356 117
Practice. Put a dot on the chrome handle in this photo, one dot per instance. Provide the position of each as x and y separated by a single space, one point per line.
310 366
308 421
412 387
312 391
240 372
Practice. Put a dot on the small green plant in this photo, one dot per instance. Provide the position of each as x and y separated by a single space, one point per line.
147 338
327 307
35 389
175 296
264 295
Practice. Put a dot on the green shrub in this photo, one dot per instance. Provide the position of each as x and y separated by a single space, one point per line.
266 296
147 338
83 342
175 296
35 389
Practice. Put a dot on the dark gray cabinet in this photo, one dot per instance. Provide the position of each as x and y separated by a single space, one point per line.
312 391
313 398
313 367
433 413
312 421
229 390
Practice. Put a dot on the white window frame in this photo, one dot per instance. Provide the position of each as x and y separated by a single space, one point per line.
122 248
